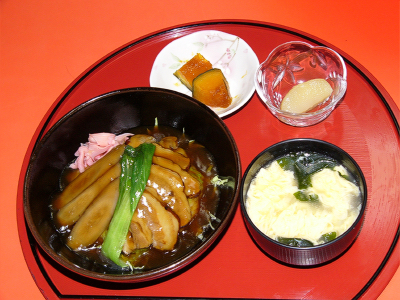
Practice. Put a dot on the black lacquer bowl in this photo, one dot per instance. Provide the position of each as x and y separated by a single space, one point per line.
304 256
117 112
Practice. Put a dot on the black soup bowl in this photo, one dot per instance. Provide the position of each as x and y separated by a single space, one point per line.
290 253
118 112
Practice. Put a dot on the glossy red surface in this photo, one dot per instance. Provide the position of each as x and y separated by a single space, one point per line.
364 125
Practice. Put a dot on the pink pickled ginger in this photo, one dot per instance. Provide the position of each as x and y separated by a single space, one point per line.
98 145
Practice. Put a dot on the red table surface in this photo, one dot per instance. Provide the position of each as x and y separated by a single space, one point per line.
254 129
31 110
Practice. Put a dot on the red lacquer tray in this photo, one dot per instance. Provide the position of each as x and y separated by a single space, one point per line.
364 124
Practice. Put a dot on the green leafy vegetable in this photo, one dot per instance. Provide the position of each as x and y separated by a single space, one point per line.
135 171
327 237
227 181
196 174
218 181
295 242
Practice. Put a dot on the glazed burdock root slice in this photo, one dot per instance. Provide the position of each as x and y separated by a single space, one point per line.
96 218
72 211
85 179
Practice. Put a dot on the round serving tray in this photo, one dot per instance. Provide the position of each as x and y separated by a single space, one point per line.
364 125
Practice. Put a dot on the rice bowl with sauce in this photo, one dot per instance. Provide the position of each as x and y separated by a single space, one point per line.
118 112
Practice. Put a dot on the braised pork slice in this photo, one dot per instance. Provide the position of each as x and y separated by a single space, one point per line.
153 220
181 151
192 185
139 234
139 139
175 156
169 186
169 142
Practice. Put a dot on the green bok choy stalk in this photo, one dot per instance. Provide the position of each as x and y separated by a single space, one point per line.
135 171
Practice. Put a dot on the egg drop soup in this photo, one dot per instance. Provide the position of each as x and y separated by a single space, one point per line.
303 199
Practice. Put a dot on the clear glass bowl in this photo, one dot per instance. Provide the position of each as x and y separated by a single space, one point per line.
293 63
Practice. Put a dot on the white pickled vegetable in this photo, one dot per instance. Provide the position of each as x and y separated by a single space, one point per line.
305 96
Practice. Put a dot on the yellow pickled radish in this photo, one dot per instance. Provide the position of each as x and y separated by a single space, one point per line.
305 96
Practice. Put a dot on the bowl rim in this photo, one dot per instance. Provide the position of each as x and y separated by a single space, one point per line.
359 218
266 99
158 272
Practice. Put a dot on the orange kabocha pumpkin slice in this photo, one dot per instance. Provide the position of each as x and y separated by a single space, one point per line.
193 68
212 89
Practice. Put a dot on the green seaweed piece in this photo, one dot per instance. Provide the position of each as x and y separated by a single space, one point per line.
300 195
347 177
287 162
304 165
295 242
327 237
314 197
